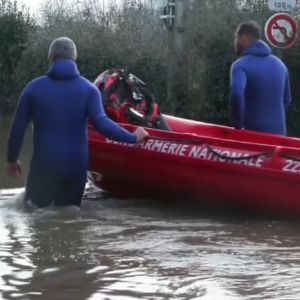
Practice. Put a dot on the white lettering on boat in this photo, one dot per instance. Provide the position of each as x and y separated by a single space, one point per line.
291 166
164 147
227 156
109 141
204 152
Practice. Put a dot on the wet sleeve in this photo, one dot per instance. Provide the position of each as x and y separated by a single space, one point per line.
103 123
18 127
238 81
287 92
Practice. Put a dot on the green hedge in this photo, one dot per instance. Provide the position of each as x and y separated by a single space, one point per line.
131 36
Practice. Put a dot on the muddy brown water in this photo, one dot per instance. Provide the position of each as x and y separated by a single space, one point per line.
132 249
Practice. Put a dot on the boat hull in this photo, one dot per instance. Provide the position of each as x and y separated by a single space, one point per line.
225 171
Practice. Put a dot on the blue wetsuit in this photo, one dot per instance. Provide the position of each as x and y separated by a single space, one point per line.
260 90
59 105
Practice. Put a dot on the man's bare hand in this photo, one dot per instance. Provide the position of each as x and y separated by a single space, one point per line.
141 134
14 169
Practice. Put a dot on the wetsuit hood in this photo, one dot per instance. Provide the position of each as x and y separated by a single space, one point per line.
258 48
63 69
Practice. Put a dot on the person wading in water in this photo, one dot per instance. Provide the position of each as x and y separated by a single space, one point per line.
59 104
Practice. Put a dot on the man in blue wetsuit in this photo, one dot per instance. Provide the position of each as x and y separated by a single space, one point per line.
59 104
260 88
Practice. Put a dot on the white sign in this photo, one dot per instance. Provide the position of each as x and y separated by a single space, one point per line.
284 5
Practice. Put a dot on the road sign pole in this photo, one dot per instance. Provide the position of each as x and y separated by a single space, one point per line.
177 71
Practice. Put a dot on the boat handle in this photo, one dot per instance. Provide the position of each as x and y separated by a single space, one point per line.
251 156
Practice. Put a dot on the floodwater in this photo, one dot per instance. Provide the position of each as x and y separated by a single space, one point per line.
129 249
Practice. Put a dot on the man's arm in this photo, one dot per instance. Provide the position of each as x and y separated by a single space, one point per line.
18 127
103 123
238 82
287 92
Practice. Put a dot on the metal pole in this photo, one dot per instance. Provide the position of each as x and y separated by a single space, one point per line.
177 73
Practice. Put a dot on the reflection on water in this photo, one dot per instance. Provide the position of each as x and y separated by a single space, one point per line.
128 249
124 249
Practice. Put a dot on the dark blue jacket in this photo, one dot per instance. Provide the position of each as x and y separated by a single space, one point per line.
260 90
60 104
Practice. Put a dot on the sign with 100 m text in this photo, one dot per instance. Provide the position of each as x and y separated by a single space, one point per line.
284 5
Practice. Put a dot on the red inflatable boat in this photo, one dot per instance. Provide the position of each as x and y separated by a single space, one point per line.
205 162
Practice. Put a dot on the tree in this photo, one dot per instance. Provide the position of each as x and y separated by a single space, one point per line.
15 27
129 34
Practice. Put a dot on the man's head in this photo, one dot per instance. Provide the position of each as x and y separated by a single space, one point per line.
62 47
245 35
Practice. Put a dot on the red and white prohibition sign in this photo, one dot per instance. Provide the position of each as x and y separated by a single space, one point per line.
281 30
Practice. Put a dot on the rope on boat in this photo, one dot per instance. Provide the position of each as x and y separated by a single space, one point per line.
250 156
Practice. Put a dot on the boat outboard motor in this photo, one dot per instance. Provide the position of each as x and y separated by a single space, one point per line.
126 100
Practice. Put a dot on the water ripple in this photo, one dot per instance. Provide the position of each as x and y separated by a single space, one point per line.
128 249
